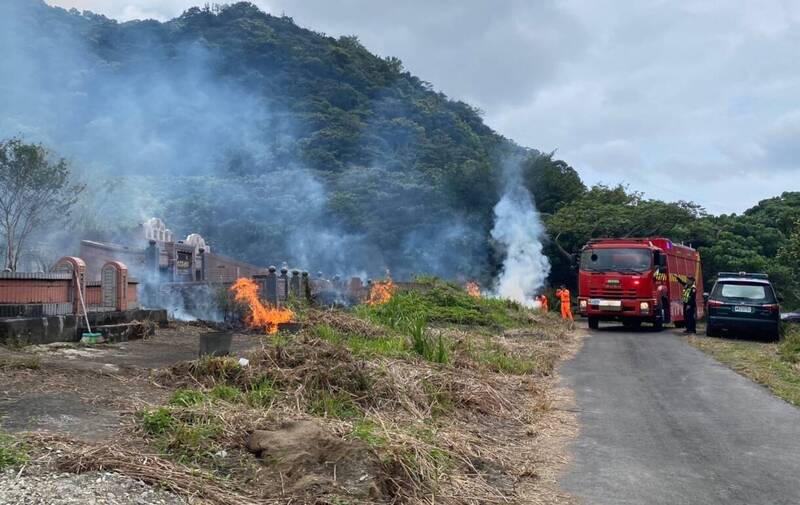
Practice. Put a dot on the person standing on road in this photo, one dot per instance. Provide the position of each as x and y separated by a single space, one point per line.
562 293
689 304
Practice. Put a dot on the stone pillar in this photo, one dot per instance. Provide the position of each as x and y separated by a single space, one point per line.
305 286
201 253
270 292
283 285
294 284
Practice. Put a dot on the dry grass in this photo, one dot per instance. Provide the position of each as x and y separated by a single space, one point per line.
485 427
20 362
78 457
344 323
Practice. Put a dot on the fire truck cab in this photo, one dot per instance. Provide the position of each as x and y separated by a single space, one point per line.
636 280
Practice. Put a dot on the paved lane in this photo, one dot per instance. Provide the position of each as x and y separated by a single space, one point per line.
663 423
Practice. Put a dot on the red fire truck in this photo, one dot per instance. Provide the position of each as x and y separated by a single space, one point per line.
636 280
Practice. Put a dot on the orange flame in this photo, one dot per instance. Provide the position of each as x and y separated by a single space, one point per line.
381 291
261 316
473 289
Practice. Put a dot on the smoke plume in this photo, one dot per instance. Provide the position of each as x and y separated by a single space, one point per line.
519 231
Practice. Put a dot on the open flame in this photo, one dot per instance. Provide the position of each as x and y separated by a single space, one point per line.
473 289
261 316
381 291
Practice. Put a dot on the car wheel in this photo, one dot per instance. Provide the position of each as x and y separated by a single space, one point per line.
711 331
594 323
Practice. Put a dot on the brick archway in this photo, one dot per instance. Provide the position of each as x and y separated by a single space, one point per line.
114 285
77 267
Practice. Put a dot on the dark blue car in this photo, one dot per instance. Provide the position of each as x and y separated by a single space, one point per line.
744 303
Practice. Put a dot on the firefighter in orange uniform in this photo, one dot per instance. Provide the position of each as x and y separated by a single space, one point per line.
544 303
562 293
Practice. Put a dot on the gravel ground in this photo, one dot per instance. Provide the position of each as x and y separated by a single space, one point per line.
93 487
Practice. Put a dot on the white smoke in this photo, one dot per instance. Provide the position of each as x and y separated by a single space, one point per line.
519 231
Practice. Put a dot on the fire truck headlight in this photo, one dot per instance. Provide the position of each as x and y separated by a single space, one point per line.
644 307
582 304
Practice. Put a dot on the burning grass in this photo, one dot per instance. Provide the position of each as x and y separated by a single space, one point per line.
260 316
381 291
426 405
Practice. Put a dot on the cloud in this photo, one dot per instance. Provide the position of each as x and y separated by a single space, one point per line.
781 142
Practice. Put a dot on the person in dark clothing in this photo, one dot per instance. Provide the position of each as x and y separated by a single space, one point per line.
689 297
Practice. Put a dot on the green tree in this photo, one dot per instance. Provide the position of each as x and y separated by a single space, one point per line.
33 189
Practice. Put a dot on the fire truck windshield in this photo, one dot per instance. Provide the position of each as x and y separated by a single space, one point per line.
616 260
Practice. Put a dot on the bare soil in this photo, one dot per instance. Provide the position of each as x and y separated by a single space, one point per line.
85 391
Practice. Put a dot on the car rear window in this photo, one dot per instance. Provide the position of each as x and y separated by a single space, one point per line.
743 292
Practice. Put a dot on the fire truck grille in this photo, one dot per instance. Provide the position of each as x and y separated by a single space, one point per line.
612 293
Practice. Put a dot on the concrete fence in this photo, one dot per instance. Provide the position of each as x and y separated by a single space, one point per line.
40 294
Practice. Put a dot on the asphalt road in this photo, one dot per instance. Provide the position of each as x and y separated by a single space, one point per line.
663 423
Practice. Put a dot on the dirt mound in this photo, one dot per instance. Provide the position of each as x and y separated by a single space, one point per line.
312 461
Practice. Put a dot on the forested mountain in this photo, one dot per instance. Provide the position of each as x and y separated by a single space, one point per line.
279 143
273 141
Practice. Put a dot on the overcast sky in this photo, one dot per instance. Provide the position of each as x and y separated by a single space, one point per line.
682 100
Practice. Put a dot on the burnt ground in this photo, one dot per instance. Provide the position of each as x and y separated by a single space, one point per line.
82 391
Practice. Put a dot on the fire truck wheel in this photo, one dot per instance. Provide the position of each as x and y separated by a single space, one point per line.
594 323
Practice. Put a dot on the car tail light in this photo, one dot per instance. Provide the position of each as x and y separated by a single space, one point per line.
772 308
715 303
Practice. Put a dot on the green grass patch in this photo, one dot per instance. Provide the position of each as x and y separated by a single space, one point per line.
220 368
789 347
764 363
187 397
156 421
323 403
262 394
499 359
225 393
442 302
13 453
393 346
434 349
188 436
369 432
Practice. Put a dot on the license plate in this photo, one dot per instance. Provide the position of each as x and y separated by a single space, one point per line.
606 304
745 309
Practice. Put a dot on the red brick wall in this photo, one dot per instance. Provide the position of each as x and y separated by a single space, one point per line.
94 294
133 295
32 290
